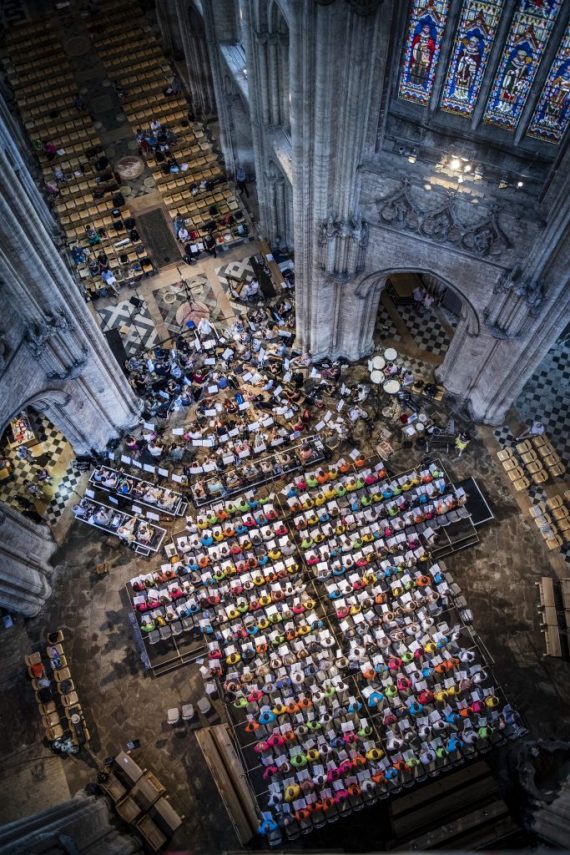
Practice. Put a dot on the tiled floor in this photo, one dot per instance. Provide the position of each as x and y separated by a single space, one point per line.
546 396
425 329
134 323
57 458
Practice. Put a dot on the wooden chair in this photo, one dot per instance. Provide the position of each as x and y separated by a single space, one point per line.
62 674
524 446
33 659
540 477
51 719
560 513
553 542
563 526
521 484
557 470
529 456
537 510
551 459
53 733
554 502
505 454
533 466
515 473
70 700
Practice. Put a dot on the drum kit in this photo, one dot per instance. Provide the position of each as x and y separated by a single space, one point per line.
379 377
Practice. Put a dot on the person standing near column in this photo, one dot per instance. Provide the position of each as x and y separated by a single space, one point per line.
241 181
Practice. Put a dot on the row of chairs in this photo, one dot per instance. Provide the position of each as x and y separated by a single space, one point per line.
552 518
56 714
78 207
526 464
191 145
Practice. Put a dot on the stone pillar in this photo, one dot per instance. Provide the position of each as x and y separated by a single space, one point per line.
224 113
198 73
332 80
25 550
53 348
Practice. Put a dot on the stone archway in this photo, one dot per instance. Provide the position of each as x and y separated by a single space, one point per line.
369 291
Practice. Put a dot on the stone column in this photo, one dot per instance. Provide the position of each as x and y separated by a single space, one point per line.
25 550
529 309
53 348
333 73
224 113
198 73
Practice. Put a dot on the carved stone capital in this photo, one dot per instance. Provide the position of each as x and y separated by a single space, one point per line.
342 246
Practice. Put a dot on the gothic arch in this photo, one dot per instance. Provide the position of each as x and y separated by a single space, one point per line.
370 288
52 403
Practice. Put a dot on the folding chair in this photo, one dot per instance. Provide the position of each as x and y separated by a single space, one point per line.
515 473
173 716
554 502
505 454
557 471
521 484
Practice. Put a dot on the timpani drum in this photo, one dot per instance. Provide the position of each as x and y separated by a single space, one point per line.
390 354
391 387
378 363
419 426
377 377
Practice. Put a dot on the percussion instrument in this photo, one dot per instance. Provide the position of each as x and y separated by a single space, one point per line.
390 354
391 387
377 377
378 363
419 426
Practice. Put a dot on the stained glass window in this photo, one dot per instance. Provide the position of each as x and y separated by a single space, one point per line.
552 115
528 36
475 33
422 47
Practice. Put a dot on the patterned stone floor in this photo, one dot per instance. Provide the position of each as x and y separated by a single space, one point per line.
135 325
57 457
546 396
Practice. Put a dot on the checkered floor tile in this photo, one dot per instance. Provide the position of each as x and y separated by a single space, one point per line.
23 472
536 494
63 495
135 325
425 329
235 270
421 370
385 328
545 396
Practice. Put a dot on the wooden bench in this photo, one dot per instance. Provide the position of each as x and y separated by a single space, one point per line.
546 592
552 641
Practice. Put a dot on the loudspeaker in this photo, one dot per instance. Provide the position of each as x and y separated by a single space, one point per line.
115 342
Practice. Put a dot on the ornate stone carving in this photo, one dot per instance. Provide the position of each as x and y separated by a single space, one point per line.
443 224
342 246
73 370
38 333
